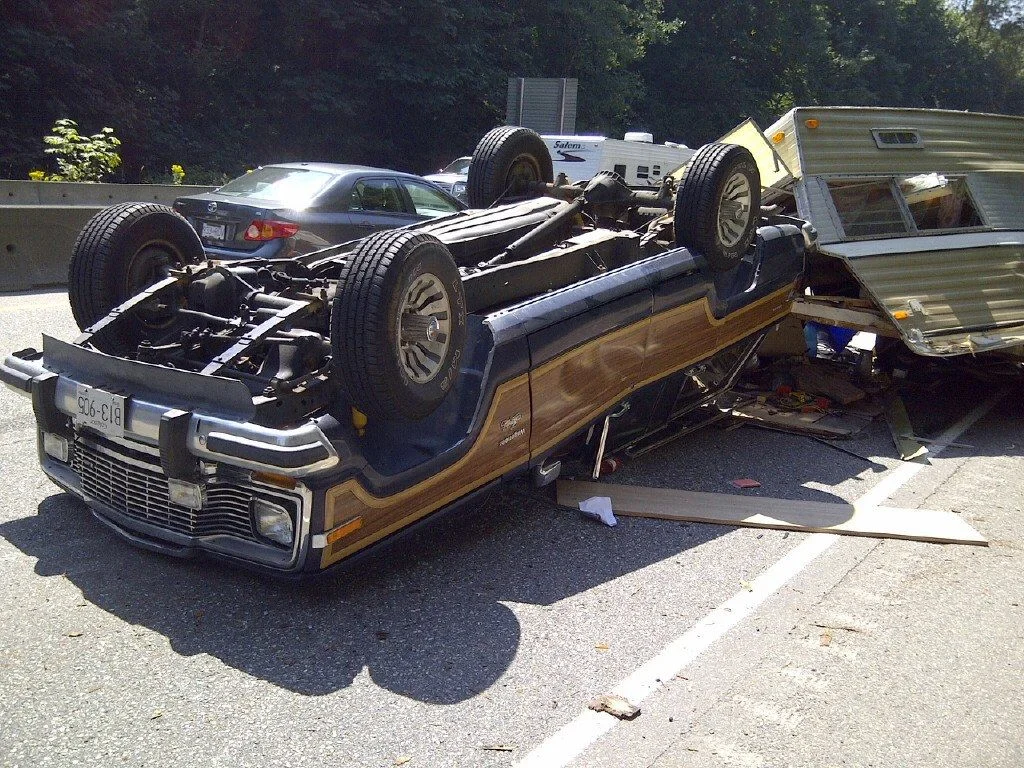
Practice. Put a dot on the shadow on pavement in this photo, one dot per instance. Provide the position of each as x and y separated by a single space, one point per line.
426 617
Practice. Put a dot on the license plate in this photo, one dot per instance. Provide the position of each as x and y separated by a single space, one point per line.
103 411
213 231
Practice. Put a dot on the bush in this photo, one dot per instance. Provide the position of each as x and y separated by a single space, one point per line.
81 158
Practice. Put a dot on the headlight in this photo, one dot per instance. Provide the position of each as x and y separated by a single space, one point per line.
273 522
56 446
459 190
185 494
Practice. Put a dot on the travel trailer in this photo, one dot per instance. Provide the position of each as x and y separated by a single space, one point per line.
636 158
919 210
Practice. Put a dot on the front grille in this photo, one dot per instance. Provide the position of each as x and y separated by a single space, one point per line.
138 489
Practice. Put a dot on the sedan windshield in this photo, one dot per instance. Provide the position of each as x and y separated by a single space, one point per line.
460 165
294 187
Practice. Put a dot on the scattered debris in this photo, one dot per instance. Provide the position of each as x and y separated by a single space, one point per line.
382 635
827 381
930 441
899 425
499 747
615 705
844 627
610 465
602 647
747 585
826 639
813 423
783 514
74 634
403 759
156 715
745 482
599 508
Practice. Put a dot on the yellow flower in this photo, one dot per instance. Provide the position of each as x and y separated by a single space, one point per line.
37 175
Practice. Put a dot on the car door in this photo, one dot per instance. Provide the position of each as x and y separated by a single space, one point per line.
377 202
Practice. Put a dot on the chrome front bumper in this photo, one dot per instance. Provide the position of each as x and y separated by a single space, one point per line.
125 477
297 452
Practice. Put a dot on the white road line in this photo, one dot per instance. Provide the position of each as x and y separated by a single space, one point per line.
570 741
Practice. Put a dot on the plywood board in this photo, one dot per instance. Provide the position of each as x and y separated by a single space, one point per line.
785 514
854 319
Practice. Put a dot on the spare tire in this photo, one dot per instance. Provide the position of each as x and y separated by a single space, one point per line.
718 204
123 249
505 165
398 325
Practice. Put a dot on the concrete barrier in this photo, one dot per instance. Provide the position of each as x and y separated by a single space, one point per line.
39 221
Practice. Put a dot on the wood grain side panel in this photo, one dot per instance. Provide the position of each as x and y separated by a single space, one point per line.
567 393
502 444
679 335
680 338
576 386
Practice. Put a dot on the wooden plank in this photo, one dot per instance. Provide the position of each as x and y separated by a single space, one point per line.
846 302
785 514
854 319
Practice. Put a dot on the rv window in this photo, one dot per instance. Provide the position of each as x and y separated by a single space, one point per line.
621 170
868 208
897 138
939 202
656 170
641 171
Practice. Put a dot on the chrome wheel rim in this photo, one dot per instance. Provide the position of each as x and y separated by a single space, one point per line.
734 210
424 328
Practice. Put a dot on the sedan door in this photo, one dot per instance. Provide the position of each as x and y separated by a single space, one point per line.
377 202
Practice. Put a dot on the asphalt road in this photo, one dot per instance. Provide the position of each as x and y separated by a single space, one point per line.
480 642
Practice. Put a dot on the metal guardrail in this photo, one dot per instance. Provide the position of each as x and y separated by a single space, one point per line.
39 221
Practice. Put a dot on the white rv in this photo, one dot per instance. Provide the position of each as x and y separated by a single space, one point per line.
636 158
919 210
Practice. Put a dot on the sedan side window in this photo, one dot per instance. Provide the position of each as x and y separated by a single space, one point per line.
428 201
376 195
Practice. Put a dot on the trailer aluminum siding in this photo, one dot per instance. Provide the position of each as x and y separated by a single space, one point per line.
949 292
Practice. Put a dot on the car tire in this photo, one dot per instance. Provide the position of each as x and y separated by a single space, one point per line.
123 249
396 356
506 162
718 204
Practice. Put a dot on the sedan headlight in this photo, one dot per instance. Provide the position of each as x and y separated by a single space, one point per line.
273 522
459 190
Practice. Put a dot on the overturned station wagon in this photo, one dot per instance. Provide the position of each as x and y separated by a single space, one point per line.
289 414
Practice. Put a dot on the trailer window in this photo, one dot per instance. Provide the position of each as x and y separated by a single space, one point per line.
642 171
656 170
868 208
621 170
939 202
